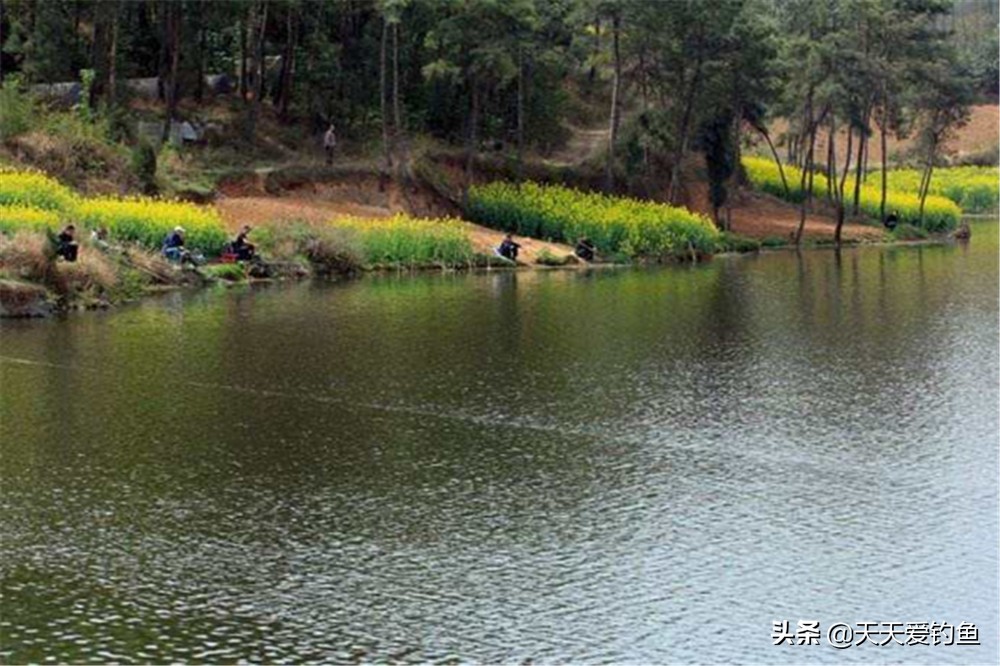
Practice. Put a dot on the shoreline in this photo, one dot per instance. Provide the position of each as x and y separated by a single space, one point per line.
22 298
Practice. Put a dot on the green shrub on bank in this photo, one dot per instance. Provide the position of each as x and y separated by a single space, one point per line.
227 272
940 214
730 242
639 229
407 241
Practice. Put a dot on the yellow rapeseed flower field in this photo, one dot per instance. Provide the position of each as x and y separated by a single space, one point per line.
940 214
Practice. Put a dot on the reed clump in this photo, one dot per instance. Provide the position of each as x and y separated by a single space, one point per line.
404 241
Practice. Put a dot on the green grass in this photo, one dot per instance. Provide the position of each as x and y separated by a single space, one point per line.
406 241
616 225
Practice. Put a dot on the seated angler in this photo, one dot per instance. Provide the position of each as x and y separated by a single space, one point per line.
891 220
508 248
173 246
585 249
244 250
66 245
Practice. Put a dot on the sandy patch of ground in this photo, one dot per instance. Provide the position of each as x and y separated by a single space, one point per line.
763 217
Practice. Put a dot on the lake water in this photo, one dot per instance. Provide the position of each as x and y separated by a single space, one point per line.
607 466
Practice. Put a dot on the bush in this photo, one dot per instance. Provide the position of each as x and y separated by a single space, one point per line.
228 272
546 258
144 166
19 109
638 229
414 242
940 214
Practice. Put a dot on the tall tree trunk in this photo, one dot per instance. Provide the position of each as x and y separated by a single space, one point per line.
383 107
597 48
841 205
644 81
244 48
103 17
806 190
762 129
859 174
926 184
397 114
807 171
259 32
113 58
173 19
923 198
684 131
283 94
831 159
199 86
885 166
520 114
471 138
615 93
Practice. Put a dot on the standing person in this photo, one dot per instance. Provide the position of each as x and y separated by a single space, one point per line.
329 143
66 245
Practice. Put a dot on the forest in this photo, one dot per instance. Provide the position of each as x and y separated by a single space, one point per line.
666 80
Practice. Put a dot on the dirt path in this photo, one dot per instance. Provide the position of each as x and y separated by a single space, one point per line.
582 145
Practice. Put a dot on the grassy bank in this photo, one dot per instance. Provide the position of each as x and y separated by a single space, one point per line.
617 226
35 281
940 214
